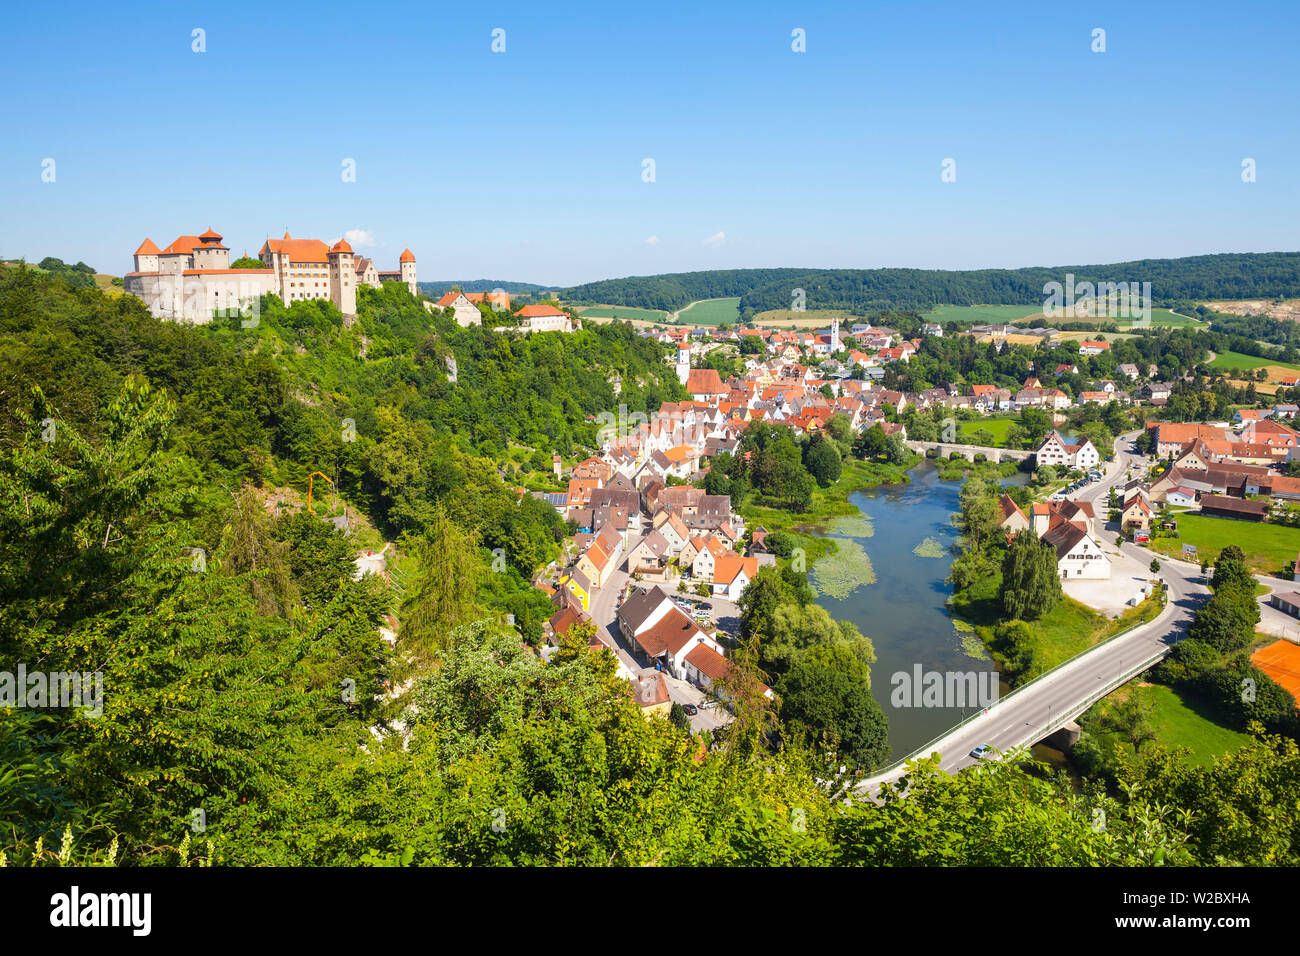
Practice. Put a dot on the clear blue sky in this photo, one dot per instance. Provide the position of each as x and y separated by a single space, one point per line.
526 165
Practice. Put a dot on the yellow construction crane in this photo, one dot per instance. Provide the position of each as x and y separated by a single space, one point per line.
309 488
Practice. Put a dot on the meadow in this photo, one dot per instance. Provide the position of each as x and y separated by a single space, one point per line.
1181 721
1266 546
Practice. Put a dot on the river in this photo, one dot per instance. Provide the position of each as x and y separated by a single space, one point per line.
903 611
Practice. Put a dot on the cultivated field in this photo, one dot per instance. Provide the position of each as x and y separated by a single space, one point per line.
710 312
810 319
1236 360
623 312
982 314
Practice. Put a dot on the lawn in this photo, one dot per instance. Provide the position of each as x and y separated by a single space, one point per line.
1267 546
997 427
624 312
1236 360
1183 720
710 312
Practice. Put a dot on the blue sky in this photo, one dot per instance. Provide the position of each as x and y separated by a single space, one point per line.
527 165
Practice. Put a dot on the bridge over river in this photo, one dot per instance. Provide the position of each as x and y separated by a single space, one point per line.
946 449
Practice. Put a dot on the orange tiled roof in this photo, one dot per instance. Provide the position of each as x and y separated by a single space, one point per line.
532 311
183 245
147 248
298 250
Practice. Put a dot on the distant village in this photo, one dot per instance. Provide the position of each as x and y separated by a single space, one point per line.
656 559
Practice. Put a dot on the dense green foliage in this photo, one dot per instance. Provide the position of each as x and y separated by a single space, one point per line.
252 714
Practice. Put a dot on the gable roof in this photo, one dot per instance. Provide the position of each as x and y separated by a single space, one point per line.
704 381
537 311
638 608
669 634
1064 536
297 250
1009 507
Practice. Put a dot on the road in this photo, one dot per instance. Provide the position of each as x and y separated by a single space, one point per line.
1042 706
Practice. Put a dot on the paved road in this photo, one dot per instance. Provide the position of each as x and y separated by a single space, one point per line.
1038 708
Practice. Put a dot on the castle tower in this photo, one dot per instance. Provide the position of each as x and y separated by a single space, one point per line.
146 257
343 278
210 253
407 265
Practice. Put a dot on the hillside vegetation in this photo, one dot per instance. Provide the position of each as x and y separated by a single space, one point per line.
1194 278
245 685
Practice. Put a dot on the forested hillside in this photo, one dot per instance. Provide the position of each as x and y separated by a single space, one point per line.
436 288
1229 275
250 709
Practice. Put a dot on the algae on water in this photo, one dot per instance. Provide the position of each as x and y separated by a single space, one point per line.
842 572
930 548
853 526
971 645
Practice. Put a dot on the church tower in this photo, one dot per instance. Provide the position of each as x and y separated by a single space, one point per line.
835 335
407 263
683 363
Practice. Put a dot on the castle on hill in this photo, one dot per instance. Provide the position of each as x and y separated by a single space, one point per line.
191 278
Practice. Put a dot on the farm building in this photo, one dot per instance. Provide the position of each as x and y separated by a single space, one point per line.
1220 507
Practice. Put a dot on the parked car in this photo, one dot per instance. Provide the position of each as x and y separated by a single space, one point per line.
691 709
982 752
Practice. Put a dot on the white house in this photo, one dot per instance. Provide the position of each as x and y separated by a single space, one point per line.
465 311
732 574
1077 555
1058 449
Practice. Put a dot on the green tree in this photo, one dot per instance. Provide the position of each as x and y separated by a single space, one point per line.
1030 586
826 702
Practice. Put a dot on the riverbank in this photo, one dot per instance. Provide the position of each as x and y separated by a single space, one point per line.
1068 629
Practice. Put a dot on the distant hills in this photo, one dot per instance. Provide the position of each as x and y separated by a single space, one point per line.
481 285
1194 278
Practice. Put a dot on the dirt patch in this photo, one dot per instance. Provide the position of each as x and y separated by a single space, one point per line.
1287 310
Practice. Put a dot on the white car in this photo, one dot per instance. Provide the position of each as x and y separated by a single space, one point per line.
982 752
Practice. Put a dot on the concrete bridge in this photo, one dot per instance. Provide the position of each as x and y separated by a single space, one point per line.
969 452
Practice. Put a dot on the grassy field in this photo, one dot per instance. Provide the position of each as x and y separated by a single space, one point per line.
1267 546
710 312
810 318
1235 360
997 427
623 312
981 314
1182 721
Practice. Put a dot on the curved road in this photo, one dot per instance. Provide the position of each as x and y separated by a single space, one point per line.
1037 709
